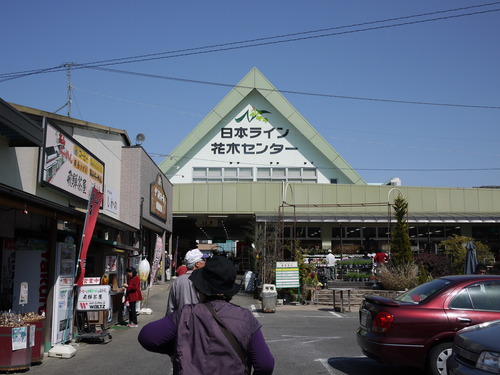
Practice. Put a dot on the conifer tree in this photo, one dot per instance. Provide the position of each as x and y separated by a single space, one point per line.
401 252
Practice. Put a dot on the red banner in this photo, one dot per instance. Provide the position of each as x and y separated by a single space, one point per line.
95 201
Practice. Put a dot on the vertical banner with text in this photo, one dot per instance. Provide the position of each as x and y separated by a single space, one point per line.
156 260
95 201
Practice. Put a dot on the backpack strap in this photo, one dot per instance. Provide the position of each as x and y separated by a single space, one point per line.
230 337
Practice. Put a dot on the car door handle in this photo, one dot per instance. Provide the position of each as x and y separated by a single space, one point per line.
464 320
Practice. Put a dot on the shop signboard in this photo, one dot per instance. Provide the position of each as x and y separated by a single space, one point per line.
287 275
158 201
93 298
67 165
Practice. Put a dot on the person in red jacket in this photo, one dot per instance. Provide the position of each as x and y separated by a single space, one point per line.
133 294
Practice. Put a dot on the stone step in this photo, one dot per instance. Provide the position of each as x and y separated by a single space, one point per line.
325 296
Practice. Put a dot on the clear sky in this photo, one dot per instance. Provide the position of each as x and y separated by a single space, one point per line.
448 57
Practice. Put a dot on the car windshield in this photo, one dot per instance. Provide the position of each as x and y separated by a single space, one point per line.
424 291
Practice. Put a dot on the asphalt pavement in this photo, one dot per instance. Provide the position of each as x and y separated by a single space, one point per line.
123 354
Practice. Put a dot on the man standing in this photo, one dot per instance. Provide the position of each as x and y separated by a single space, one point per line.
380 258
182 291
330 264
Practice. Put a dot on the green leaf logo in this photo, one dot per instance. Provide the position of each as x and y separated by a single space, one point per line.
255 114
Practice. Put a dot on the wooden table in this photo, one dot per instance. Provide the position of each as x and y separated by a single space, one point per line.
341 292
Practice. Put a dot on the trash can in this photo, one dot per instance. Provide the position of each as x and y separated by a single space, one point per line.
269 298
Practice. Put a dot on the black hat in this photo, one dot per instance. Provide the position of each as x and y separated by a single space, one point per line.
216 278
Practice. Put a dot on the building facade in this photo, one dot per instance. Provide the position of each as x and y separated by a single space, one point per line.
48 166
254 160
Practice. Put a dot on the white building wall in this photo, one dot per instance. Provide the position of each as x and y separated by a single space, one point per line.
273 144
108 148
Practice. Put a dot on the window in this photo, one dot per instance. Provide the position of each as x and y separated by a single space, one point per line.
214 172
287 174
235 174
221 174
480 296
314 232
294 173
200 172
230 172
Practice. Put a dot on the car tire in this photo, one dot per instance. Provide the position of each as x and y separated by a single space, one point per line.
436 360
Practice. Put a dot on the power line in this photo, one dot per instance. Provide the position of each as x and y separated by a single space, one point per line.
232 45
319 167
294 92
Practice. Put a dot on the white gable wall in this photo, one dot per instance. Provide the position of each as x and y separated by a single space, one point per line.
251 143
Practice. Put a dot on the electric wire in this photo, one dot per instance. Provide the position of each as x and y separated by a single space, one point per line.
233 165
252 42
294 92
126 59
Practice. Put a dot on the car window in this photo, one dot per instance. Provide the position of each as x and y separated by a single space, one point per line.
483 296
462 301
424 291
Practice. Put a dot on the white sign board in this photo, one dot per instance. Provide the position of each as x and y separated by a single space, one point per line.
23 295
287 275
93 298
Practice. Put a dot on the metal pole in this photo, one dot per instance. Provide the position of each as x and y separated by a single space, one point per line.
68 74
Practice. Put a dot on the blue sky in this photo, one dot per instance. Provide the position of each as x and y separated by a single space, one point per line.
448 61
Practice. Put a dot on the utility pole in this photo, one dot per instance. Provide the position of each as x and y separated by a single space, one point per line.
68 102
68 75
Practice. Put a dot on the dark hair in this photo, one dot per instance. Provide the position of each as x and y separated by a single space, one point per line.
133 270
481 267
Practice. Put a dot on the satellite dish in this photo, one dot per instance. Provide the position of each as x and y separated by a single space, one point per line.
139 138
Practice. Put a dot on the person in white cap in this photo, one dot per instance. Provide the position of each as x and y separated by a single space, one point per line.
330 264
182 291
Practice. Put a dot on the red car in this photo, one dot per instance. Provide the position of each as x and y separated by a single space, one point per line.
417 327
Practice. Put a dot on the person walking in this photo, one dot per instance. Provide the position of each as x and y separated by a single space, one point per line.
182 291
132 295
214 336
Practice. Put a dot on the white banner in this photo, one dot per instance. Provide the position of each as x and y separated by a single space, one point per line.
156 260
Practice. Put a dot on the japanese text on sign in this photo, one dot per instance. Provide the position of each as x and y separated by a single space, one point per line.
95 297
287 275
250 135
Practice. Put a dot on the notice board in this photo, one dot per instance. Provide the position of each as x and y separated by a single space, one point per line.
287 275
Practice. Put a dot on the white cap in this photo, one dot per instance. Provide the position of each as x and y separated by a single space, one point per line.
192 256
329 250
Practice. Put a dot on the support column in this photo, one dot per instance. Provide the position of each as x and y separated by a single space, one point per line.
326 236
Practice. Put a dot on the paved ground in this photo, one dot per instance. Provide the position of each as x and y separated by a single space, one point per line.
123 354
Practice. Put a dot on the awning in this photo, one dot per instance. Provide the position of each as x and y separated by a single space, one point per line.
364 218
18 128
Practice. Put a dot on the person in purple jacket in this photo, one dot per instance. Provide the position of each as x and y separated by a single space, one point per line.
194 339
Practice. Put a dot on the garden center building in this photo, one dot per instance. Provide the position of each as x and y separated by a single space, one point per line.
254 160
